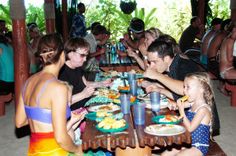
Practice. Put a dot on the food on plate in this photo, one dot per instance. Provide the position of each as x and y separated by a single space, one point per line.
103 114
113 95
111 123
108 107
158 128
184 98
124 88
132 99
114 73
169 118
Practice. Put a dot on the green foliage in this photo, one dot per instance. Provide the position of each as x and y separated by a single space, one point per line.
5 15
36 14
33 14
219 9
109 15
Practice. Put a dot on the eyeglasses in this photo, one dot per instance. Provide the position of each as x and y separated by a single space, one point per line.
84 54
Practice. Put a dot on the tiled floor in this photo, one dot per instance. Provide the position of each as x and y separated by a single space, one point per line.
10 145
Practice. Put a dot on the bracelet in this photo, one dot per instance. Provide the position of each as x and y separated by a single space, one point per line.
145 57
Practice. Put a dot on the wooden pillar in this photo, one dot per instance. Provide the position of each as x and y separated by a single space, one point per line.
201 12
21 62
49 13
233 10
64 20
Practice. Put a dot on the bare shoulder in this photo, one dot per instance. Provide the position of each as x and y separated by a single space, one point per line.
58 86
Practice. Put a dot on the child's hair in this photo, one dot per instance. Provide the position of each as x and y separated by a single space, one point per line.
205 82
208 93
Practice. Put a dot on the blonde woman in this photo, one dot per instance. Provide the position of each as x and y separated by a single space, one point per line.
150 35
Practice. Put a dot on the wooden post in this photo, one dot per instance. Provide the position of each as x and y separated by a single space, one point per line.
64 20
233 10
201 12
21 71
49 12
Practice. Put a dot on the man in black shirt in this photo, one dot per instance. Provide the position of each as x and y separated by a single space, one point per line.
163 59
195 30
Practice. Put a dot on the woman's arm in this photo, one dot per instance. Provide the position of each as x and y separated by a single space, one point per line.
59 123
20 118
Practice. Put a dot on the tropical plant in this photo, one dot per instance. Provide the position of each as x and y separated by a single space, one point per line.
220 9
109 15
33 14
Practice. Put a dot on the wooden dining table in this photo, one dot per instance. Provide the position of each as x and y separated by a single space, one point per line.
133 139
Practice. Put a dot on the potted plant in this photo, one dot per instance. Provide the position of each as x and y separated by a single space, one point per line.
127 6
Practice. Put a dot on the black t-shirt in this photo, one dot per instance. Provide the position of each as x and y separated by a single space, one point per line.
187 38
74 78
179 68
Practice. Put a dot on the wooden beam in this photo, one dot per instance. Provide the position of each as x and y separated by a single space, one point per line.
49 12
64 20
21 61
233 10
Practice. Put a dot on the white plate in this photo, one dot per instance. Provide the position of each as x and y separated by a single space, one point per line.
105 107
164 130
162 106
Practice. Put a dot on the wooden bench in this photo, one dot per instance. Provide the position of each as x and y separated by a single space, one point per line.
231 86
3 100
215 150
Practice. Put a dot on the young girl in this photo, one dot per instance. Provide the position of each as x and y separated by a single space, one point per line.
197 119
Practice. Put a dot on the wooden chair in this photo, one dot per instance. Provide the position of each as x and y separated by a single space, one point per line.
3 100
231 86
215 150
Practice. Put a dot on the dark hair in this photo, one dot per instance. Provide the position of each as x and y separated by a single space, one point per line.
162 48
2 21
50 47
4 40
216 21
81 7
169 39
99 29
193 19
136 25
225 24
74 43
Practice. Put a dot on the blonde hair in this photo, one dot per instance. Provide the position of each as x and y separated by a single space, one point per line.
154 32
205 82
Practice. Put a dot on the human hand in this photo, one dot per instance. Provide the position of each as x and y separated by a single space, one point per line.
88 91
131 53
79 151
153 88
172 105
107 82
181 107
143 49
150 73
145 83
126 37
102 51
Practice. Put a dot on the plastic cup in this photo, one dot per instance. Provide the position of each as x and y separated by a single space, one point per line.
125 103
133 87
131 76
155 101
139 114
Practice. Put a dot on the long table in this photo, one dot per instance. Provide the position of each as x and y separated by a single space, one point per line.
134 138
